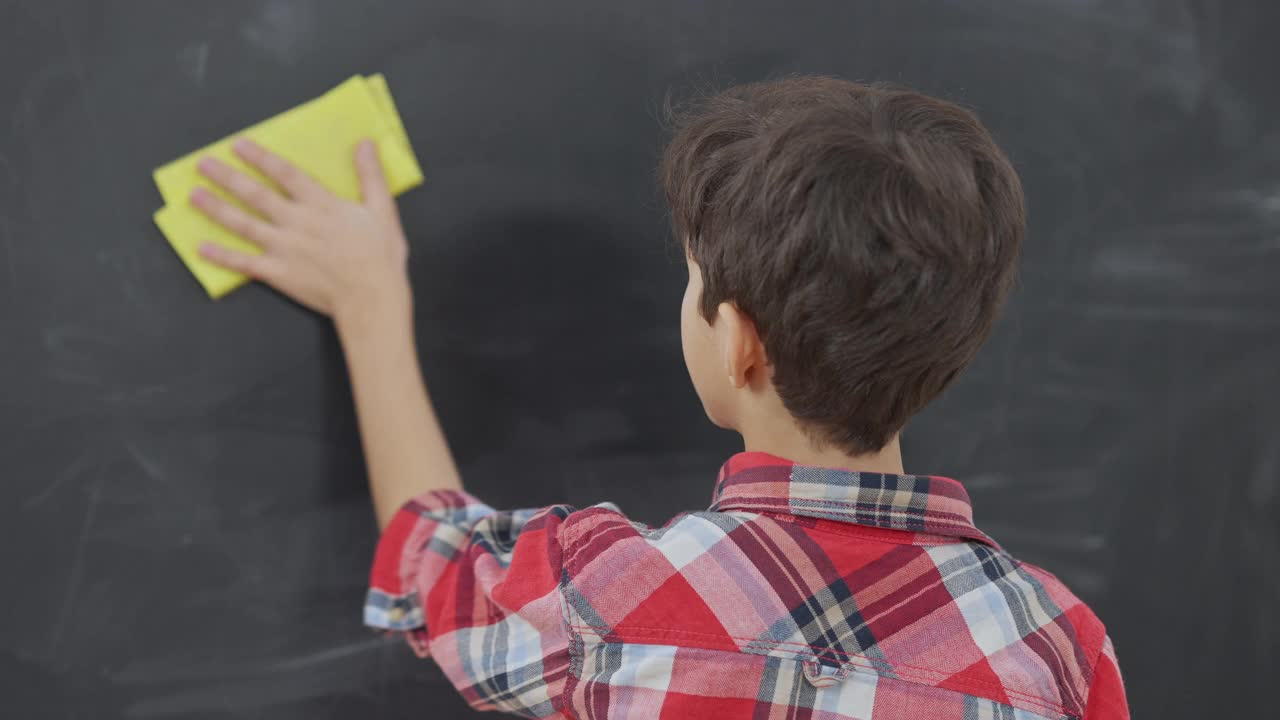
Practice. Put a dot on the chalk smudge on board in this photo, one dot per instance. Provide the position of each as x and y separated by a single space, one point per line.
77 566
281 30
248 684
195 61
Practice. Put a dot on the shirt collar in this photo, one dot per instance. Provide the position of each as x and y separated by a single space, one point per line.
759 482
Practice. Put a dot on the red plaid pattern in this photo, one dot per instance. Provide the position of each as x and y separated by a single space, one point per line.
802 592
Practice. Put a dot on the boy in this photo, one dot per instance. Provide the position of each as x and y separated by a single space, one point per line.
848 249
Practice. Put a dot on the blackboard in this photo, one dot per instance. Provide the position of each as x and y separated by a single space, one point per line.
186 528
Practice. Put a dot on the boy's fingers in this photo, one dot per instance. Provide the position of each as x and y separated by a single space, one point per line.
292 178
233 218
373 184
259 267
250 191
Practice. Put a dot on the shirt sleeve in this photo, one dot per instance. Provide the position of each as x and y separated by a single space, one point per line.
1106 694
477 590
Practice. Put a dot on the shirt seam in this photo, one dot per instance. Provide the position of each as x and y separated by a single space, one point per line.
1093 673
868 532
573 638
853 660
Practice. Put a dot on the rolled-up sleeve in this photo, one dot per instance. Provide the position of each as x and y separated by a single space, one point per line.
477 590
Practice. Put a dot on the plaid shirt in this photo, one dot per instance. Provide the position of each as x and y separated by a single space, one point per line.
802 592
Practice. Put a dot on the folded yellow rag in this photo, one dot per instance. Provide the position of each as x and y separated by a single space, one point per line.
319 136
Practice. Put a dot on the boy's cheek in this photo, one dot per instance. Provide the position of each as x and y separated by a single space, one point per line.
698 347
699 360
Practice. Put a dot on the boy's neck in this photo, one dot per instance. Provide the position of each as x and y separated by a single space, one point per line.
798 448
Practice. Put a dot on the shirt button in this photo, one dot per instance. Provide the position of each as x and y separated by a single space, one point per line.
822 676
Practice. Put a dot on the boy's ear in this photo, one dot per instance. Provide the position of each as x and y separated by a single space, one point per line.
740 344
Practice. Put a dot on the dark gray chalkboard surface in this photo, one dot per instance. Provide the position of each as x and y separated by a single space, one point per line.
185 524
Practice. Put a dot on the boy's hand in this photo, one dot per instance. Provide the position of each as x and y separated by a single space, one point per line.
334 256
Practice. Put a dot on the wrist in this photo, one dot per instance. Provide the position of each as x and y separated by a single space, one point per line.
389 307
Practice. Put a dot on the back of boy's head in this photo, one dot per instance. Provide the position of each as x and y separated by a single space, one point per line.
870 233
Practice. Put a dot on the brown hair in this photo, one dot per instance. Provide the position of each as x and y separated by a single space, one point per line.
871 234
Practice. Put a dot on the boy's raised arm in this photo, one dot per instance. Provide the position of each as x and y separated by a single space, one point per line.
404 446
347 260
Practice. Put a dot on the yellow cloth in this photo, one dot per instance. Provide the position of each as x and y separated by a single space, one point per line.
319 136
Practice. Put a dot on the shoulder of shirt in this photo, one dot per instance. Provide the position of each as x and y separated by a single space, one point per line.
605 515
593 532
1091 633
